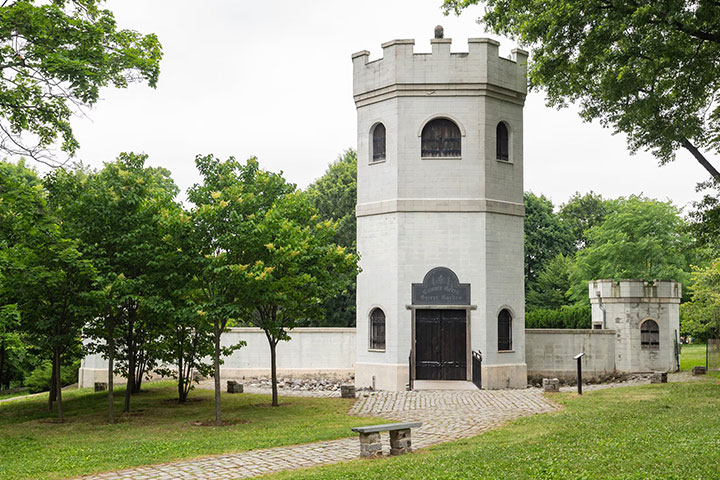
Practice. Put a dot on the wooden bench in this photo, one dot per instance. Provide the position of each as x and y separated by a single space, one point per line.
370 445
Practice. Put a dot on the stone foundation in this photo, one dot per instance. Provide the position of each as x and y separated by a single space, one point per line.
496 377
400 442
370 446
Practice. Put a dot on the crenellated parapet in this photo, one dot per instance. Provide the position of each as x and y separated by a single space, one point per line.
639 290
401 71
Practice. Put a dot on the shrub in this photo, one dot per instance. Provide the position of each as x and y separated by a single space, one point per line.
567 316
39 379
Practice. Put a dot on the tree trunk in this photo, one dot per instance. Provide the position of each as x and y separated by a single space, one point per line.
181 384
216 365
53 385
111 371
273 370
701 159
131 358
2 363
140 367
58 380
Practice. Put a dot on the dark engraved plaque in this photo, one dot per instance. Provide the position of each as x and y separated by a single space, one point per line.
441 287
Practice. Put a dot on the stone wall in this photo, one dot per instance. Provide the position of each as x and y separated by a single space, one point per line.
549 353
326 352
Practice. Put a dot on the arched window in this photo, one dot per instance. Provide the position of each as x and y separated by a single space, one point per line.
441 138
649 334
502 142
378 143
504 330
377 329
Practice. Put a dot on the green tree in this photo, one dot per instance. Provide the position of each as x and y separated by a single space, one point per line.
552 288
705 218
647 69
297 266
45 274
643 238
334 195
581 213
231 197
187 338
545 236
701 315
55 56
117 212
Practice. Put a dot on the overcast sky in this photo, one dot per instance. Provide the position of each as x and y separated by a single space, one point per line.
274 79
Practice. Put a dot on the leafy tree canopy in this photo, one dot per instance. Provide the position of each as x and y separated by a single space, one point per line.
334 195
545 236
581 213
705 218
55 56
701 316
647 69
642 238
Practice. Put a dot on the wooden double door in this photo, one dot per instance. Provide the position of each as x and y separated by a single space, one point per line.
441 344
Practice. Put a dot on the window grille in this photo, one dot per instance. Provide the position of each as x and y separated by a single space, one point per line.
502 142
649 334
377 329
378 143
504 330
441 138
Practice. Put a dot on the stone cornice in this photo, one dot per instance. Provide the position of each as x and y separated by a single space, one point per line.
440 205
439 90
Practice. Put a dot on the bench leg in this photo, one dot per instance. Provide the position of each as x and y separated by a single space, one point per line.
370 446
400 442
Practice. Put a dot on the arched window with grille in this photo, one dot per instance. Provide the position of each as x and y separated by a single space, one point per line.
377 329
441 138
378 143
649 334
504 330
502 142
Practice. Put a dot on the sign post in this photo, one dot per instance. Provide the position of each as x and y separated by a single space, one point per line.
578 357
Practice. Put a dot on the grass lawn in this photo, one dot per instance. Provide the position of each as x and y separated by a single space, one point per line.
34 446
645 432
692 355
5 396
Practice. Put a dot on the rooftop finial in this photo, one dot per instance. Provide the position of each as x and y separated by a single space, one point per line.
439 32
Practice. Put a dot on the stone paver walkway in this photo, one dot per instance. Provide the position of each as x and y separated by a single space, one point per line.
446 416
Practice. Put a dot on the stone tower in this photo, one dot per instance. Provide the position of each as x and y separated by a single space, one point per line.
440 214
646 320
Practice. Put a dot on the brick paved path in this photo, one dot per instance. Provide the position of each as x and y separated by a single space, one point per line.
446 416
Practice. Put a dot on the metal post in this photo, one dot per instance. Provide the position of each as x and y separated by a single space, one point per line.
578 357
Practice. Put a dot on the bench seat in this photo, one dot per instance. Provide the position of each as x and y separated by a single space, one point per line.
370 445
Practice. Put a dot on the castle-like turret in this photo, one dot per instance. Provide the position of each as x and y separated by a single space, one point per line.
440 214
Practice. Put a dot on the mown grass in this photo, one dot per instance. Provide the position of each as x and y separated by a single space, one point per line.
692 355
34 446
668 431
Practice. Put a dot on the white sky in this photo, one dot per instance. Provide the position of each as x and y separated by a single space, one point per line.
274 79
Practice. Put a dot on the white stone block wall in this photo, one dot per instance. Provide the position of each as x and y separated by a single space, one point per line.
310 352
549 353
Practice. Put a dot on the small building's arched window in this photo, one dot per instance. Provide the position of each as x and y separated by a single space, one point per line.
502 142
378 143
441 138
377 329
504 330
649 334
